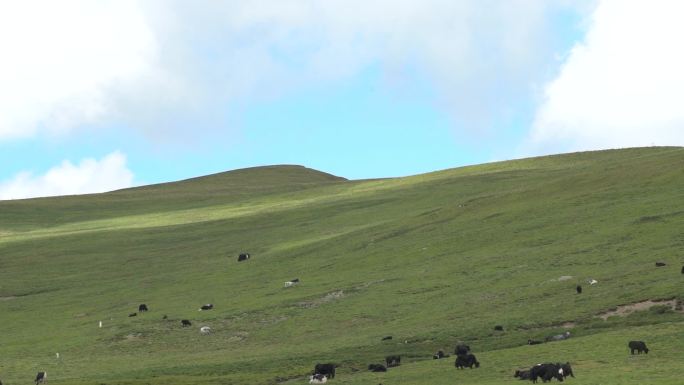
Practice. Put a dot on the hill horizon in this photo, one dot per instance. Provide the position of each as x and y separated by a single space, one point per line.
319 173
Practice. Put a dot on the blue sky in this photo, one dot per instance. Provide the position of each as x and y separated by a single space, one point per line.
108 95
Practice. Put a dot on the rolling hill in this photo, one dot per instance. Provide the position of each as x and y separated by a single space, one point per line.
430 259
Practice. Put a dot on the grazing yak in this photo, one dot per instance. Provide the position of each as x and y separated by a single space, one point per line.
440 354
185 322
205 330
243 257
208 306
41 377
534 342
546 372
639 346
593 282
386 338
327 370
392 361
567 370
318 379
461 350
498 328
377 368
558 337
133 314
682 269
142 308
292 282
468 360
522 374
579 289
661 264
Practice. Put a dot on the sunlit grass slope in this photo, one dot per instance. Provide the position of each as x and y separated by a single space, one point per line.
430 259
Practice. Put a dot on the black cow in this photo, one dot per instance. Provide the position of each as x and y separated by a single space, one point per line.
386 338
243 257
377 368
546 372
185 322
639 346
208 306
461 350
133 314
567 370
660 264
41 377
392 361
142 308
498 327
440 354
468 360
326 369
534 342
522 374
579 289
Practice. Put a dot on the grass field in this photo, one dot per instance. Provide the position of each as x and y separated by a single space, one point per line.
431 259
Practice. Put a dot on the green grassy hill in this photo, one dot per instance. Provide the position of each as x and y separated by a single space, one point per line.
431 259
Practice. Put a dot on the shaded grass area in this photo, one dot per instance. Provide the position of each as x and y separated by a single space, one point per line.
432 259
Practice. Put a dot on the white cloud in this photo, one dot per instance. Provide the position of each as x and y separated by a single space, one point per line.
89 176
62 63
172 67
622 86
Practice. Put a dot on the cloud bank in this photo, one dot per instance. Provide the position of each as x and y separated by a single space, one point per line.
88 176
62 64
622 86
173 67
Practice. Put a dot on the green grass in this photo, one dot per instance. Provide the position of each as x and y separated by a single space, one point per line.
431 259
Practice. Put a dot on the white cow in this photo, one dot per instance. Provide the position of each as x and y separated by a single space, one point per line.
205 330
292 282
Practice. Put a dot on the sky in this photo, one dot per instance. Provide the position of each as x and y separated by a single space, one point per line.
103 95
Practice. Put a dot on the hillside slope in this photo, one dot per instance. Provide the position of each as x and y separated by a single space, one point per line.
430 259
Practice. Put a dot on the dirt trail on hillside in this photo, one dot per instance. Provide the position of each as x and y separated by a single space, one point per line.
625 310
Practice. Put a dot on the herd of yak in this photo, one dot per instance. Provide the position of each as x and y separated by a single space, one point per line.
464 358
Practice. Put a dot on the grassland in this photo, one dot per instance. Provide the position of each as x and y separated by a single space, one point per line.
431 259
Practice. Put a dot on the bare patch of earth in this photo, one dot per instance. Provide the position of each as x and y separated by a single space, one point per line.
239 336
133 337
625 310
335 295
